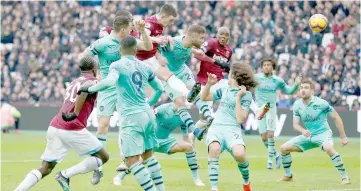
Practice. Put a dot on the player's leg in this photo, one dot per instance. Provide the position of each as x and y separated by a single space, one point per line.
262 129
296 144
239 154
326 143
214 144
271 119
179 106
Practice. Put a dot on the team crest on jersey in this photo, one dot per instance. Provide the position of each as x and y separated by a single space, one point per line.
205 44
315 107
101 108
147 25
91 47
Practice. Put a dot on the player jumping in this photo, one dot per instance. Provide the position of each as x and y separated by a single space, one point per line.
313 112
107 49
168 120
137 126
266 92
225 131
68 130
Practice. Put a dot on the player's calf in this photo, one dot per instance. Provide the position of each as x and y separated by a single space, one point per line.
214 151
239 154
337 162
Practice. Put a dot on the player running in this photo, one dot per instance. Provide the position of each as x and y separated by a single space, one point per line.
154 27
313 112
137 132
266 92
225 131
68 130
107 50
168 120
176 57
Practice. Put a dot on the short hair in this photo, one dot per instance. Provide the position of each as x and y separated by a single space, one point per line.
121 22
309 82
270 59
128 43
244 75
124 12
87 63
168 10
196 29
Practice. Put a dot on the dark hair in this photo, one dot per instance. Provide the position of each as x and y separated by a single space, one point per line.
124 12
196 29
128 43
121 22
87 63
244 75
307 81
168 10
270 59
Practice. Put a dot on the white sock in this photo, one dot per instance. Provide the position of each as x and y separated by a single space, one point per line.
177 84
87 165
30 180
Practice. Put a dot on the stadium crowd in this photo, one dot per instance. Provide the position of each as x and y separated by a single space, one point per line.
41 39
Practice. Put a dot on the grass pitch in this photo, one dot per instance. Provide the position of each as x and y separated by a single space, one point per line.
312 170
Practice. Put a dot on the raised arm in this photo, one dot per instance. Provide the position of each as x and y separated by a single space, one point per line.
290 90
146 42
243 103
206 94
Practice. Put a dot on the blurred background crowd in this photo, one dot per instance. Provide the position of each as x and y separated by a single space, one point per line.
40 40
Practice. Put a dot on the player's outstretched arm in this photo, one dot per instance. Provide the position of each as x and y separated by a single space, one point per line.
157 87
339 124
290 90
206 94
241 113
109 81
146 43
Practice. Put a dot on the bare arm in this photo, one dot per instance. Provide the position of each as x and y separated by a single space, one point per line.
157 87
299 128
241 114
206 93
339 124
109 81
146 43
80 100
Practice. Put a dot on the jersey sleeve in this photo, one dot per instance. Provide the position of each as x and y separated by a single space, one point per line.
217 95
246 101
296 113
96 48
207 45
328 109
285 88
114 68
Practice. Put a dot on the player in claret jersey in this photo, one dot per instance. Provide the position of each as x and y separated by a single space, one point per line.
68 130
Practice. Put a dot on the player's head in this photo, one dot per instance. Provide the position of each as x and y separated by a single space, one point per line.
242 74
88 64
223 35
268 65
167 15
128 46
123 12
307 88
122 25
197 34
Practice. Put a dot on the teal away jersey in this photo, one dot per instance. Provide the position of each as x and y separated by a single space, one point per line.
266 91
226 114
167 121
314 115
130 86
176 58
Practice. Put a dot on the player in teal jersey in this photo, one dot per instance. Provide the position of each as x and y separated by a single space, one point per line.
225 131
137 133
107 50
183 46
313 112
266 92
168 120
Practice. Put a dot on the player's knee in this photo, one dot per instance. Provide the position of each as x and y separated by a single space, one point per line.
270 134
239 156
188 147
46 168
179 102
264 137
285 149
103 125
328 148
214 149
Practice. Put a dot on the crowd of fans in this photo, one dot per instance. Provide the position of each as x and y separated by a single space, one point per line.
40 41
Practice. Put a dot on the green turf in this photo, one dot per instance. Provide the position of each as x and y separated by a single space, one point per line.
312 170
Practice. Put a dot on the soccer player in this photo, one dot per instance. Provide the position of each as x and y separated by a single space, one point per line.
68 130
266 92
154 27
176 58
130 75
168 120
107 49
316 133
225 131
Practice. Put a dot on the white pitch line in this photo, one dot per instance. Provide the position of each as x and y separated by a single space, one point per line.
350 189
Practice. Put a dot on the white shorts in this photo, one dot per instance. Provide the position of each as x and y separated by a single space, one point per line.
153 62
59 141
220 84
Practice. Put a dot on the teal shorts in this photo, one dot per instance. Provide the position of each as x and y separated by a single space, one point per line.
187 78
106 103
165 145
137 133
269 121
314 141
227 137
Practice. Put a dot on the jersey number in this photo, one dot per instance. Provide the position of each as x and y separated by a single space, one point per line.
71 92
188 76
137 80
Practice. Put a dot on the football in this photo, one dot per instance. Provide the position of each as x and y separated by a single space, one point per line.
318 22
